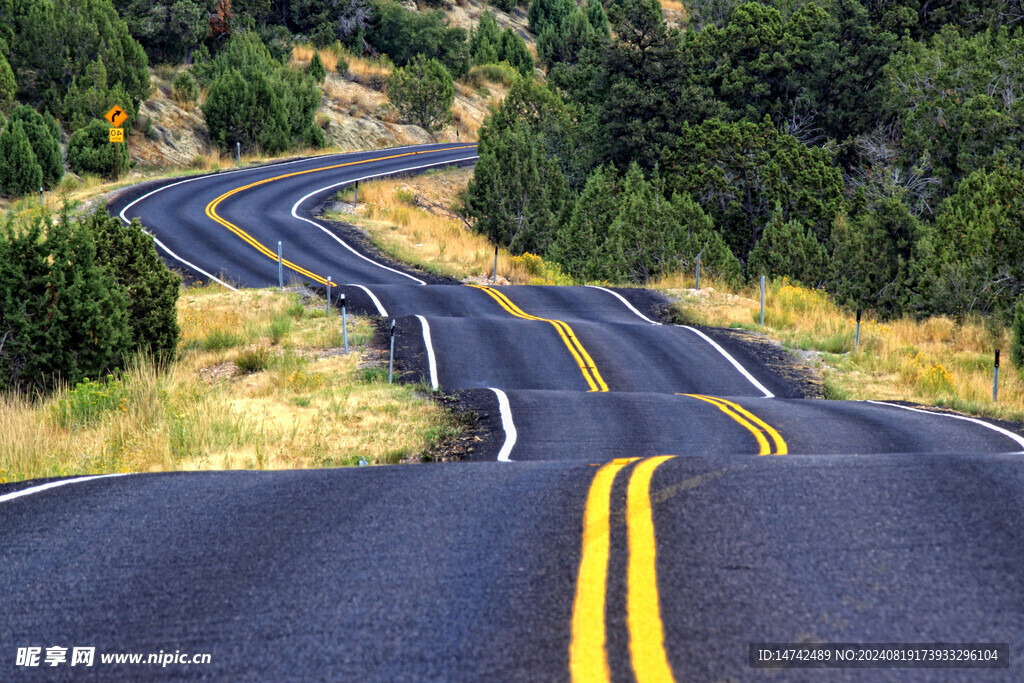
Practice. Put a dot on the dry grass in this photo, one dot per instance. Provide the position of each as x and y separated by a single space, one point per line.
309 407
674 5
412 220
933 361
302 54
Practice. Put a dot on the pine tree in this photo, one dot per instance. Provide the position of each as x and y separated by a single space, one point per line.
44 137
19 171
151 288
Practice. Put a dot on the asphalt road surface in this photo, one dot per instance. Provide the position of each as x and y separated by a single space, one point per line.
654 499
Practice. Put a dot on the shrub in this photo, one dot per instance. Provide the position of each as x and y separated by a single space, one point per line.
152 289
220 340
63 317
253 360
89 151
185 89
88 401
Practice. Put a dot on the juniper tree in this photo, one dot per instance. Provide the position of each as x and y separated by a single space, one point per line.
19 170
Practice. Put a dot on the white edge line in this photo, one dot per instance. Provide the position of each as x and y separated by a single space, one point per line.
349 181
507 424
192 180
1005 432
376 302
735 363
623 300
54 484
245 170
430 352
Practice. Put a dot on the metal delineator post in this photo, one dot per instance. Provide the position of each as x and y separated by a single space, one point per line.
995 379
344 323
762 301
391 358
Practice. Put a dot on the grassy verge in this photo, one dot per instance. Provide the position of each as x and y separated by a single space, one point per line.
934 361
260 383
414 220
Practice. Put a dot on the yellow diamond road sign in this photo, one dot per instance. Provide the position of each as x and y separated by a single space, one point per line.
116 116
117 134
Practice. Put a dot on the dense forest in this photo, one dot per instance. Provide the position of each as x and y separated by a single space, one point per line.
873 149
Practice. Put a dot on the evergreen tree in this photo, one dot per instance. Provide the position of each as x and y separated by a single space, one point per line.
44 137
90 151
56 40
485 40
744 172
972 258
150 287
871 253
567 43
576 240
788 249
246 110
514 51
316 69
519 194
19 171
597 19
88 98
7 85
424 93
544 13
63 316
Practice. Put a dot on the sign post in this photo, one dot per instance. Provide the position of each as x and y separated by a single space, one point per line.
116 118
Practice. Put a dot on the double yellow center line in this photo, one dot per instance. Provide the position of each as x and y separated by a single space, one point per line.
211 208
755 425
588 658
579 353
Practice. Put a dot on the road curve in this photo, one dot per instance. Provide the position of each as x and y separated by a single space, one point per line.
669 497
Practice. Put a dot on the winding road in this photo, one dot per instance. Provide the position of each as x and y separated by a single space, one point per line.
654 499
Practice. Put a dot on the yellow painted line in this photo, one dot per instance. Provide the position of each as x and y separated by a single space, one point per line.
762 442
751 422
576 348
588 660
643 612
211 208
780 444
